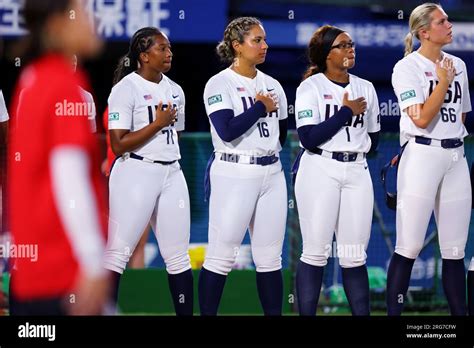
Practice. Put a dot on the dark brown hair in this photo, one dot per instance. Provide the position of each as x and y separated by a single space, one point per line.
318 49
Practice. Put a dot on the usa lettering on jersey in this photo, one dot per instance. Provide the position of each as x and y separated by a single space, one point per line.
318 99
230 91
414 79
132 105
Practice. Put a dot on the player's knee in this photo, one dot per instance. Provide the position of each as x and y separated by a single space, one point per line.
219 266
319 260
410 252
452 252
267 258
220 259
116 260
265 263
351 255
349 262
177 263
117 254
315 254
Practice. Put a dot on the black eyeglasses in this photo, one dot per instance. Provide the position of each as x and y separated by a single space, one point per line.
345 45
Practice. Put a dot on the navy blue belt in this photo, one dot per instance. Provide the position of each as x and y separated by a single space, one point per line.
138 157
444 143
339 156
263 161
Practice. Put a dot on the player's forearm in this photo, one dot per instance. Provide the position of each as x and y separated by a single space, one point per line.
312 136
428 111
230 127
133 140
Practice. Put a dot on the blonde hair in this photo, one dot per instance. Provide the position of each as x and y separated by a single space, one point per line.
420 18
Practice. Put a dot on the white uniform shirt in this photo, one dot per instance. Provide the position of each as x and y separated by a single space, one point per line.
318 98
229 90
132 105
413 79
3 109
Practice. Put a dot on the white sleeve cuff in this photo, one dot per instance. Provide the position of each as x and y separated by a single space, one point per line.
77 207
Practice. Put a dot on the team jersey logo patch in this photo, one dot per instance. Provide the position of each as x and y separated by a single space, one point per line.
407 95
305 114
114 116
240 89
428 74
148 97
327 96
214 99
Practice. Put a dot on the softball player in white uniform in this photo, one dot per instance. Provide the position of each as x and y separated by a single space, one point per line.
433 95
335 113
247 109
146 183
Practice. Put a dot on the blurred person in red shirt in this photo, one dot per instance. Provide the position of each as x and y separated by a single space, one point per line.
56 192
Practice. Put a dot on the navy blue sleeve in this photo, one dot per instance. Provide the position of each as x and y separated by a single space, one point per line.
283 125
230 127
374 137
312 136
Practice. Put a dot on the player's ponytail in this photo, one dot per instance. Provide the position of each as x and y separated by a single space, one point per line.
125 66
236 30
408 43
225 51
318 49
310 71
140 42
420 18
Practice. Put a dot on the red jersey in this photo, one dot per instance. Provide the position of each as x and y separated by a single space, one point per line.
46 114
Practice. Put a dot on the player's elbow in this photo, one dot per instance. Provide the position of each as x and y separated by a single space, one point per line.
308 141
117 141
225 135
117 149
420 122
227 138
419 115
